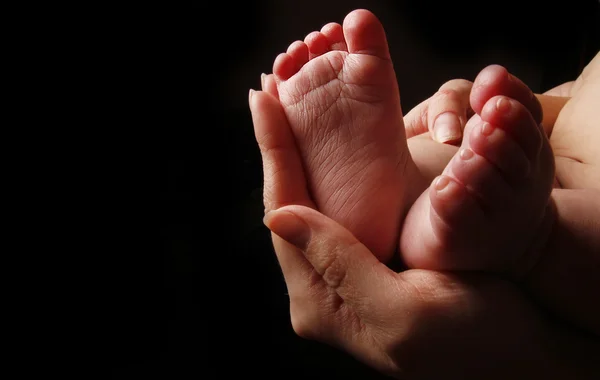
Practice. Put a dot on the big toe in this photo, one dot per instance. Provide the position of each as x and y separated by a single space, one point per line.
364 34
495 80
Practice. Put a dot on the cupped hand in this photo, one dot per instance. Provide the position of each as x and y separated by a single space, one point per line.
414 324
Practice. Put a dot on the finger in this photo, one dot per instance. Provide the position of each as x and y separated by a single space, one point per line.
448 111
449 107
306 293
415 121
350 299
344 264
338 289
284 180
284 183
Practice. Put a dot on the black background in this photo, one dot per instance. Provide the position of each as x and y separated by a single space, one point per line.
201 294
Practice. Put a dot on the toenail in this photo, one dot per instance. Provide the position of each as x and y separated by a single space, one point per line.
440 183
446 128
466 153
503 104
486 129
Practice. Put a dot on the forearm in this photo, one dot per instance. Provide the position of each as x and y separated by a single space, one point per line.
567 276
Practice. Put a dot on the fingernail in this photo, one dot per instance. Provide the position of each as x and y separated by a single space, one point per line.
250 93
289 227
262 80
447 128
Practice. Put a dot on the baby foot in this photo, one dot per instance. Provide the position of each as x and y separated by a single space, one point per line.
339 92
490 204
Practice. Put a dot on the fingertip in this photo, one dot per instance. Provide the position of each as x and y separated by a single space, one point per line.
262 80
289 226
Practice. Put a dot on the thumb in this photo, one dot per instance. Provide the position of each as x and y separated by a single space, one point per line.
344 263
415 121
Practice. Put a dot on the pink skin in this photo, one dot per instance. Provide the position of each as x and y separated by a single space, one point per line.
339 93
489 208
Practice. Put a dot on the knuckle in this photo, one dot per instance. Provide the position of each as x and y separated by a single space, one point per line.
335 269
457 84
447 95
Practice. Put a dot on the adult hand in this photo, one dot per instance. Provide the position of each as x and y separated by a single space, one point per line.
443 115
414 324
439 119
446 112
